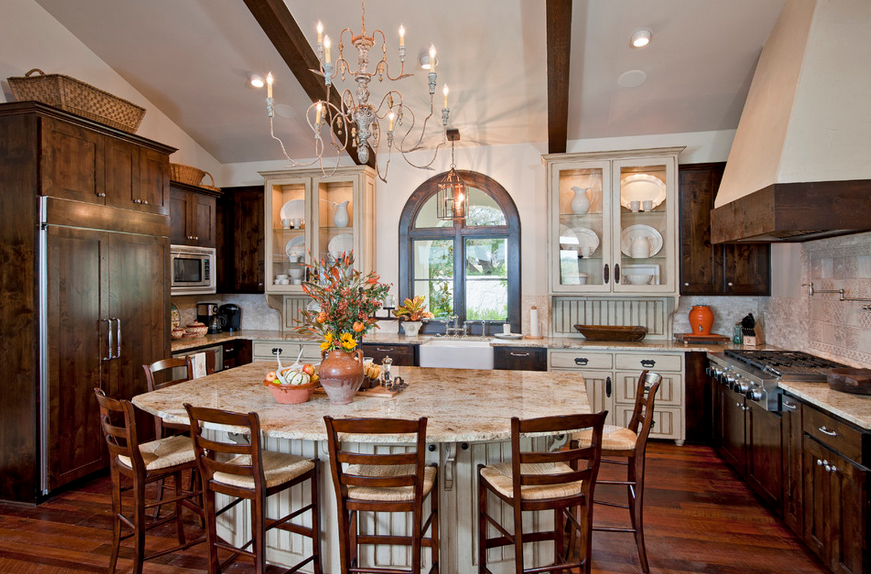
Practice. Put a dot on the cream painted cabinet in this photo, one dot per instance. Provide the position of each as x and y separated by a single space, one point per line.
287 350
310 216
613 222
612 378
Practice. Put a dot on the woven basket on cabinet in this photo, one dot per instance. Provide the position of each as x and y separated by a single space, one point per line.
186 173
77 97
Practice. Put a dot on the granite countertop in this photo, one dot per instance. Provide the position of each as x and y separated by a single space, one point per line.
850 407
396 339
452 399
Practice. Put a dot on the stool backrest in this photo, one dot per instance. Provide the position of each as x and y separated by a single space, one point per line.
118 421
208 357
158 373
339 456
213 455
564 424
645 398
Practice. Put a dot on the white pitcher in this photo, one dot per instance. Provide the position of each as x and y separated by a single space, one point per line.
640 248
581 201
340 214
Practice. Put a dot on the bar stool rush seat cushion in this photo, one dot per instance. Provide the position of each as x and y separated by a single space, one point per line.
630 443
562 482
143 464
394 482
247 472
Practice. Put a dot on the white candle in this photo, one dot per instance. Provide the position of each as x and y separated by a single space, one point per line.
391 116
432 58
320 32
446 96
401 35
327 45
320 111
269 80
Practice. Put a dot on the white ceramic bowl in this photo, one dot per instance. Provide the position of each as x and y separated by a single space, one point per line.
295 272
582 278
638 278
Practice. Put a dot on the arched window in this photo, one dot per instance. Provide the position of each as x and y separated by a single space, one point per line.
469 268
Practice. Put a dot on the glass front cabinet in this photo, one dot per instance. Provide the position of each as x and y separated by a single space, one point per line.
309 215
613 222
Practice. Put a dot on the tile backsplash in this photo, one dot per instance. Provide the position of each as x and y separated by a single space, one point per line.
256 315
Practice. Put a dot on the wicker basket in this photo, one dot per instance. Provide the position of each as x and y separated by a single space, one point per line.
75 96
212 187
186 174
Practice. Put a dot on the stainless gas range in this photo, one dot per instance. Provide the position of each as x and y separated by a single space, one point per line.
755 374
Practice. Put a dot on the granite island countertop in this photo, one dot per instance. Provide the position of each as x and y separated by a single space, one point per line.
399 339
461 405
850 407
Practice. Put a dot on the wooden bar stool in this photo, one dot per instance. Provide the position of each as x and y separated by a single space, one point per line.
249 472
630 443
534 481
383 483
143 464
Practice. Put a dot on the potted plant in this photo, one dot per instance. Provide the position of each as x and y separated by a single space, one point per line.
346 303
412 312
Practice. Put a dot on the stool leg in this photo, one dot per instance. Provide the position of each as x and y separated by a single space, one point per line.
179 525
316 520
636 471
258 530
482 524
138 524
211 530
434 533
116 519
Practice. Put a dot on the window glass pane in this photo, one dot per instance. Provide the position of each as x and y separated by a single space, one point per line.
427 218
433 274
483 210
486 279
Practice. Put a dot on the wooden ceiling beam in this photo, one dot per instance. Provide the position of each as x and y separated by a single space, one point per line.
559 46
284 33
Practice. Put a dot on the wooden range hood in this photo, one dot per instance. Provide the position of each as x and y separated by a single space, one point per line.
800 164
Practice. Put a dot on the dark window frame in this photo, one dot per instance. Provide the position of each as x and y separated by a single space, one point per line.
459 232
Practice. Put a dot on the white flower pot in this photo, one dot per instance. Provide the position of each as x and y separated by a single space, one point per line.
411 328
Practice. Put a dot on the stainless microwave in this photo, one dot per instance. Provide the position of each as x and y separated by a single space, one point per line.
193 270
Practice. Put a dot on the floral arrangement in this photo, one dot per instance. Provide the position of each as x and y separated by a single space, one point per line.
413 310
346 299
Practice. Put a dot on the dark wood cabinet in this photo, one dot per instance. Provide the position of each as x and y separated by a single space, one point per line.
237 352
520 358
86 288
240 240
403 355
193 215
731 429
835 493
763 454
707 269
791 464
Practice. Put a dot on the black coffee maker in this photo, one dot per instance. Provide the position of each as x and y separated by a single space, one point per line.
231 316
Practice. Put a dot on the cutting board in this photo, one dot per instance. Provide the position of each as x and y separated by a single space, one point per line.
375 392
687 338
856 381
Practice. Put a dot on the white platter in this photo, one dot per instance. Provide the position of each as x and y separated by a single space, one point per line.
295 247
341 243
567 238
586 237
293 209
641 270
633 231
641 187
509 336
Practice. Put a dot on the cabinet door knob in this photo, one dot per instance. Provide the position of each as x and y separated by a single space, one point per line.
144 202
729 283
686 284
137 201
101 195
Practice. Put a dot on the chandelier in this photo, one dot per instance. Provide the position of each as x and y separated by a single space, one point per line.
354 122
452 199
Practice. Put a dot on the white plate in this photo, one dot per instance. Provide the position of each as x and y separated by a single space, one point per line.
633 231
586 237
295 247
641 270
293 209
567 238
641 187
509 336
341 244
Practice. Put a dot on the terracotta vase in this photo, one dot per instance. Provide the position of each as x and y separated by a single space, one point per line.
292 394
341 375
701 320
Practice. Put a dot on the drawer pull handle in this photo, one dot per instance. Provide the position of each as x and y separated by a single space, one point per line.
519 354
277 350
608 387
789 406
581 361
648 362
380 350
826 431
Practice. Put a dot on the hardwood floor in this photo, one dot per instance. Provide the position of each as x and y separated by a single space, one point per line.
699 518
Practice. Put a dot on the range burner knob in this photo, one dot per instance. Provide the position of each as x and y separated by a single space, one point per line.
754 395
741 386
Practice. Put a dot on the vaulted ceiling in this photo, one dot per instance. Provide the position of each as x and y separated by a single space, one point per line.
192 58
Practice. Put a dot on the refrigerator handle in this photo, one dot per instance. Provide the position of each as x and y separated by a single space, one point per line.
117 337
108 356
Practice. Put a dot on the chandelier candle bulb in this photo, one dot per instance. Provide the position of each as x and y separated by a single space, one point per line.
269 81
320 32
446 97
327 45
401 36
432 58
320 110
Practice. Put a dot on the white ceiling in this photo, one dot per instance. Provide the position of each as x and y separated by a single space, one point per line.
191 58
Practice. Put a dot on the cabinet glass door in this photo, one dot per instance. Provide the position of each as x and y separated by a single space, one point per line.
334 212
581 243
288 251
643 246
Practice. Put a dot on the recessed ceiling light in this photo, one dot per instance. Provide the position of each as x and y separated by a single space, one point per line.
632 78
640 38
256 80
423 60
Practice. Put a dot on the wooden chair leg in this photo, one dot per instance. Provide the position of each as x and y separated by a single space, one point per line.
518 540
637 470
558 536
179 524
138 526
316 520
211 530
434 533
258 530
160 486
116 520
482 524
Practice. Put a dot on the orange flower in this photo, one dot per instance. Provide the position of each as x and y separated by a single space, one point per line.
358 326
322 317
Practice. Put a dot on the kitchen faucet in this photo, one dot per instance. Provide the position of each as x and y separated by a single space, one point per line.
455 330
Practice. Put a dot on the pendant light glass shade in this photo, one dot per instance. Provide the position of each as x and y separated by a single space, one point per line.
452 201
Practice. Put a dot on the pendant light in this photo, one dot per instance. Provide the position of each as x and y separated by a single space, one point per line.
452 200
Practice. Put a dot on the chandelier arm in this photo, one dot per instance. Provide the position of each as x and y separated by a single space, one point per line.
416 145
427 165
284 149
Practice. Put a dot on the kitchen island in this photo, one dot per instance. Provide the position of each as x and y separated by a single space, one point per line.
468 413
